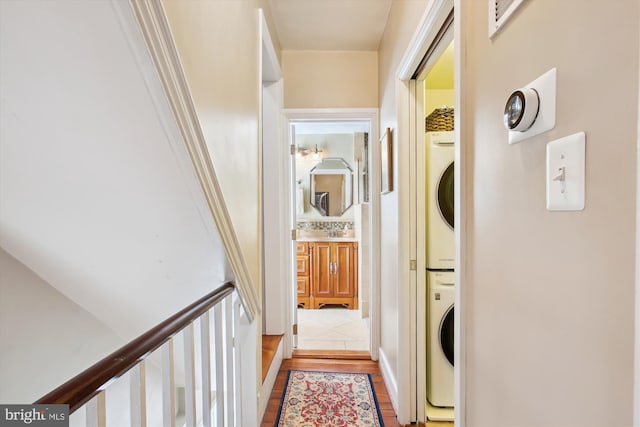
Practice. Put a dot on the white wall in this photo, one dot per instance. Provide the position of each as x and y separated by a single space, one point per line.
46 338
219 47
550 295
330 79
403 20
97 192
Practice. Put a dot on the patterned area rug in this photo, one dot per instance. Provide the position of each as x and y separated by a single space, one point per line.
314 399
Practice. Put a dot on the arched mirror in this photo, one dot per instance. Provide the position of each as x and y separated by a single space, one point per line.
331 186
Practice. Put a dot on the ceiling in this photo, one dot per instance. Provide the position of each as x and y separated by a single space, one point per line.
330 24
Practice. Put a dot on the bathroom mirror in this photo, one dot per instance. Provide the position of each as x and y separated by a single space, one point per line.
331 192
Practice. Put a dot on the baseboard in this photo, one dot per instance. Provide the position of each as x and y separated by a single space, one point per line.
389 380
270 380
331 354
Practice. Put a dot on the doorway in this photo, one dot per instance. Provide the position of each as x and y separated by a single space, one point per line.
331 199
435 227
436 32
334 299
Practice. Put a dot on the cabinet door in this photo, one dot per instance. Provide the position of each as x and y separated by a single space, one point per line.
321 275
345 260
302 248
303 265
303 286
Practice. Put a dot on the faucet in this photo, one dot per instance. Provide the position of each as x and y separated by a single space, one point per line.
336 233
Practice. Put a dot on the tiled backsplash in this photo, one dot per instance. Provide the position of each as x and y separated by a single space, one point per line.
324 225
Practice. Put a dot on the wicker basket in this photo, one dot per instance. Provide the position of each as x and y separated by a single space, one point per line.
441 119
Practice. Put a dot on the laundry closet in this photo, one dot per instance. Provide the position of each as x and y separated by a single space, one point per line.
439 241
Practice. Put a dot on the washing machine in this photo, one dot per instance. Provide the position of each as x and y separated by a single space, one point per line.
441 294
439 152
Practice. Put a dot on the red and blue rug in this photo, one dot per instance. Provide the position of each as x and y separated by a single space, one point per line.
315 399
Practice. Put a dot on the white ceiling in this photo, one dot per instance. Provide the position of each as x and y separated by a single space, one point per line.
330 24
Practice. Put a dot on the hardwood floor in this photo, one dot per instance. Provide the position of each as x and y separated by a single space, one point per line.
329 365
269 347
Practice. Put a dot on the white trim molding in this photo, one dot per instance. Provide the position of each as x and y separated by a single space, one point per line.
430 25
389 380
152 20
636 368
462 158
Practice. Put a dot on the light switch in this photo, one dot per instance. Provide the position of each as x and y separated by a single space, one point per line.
566 173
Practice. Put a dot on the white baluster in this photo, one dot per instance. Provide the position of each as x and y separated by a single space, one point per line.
96 411
237 357
168 386
219 349
190 376
228 310
138 395
205 347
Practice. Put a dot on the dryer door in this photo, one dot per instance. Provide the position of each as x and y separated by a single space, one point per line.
446 334
445 195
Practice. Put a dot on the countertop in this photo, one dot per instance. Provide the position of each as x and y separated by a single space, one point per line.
326 239
322 236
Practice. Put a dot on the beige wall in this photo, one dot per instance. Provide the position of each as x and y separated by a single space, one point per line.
218 43
328 79
403 20
550 314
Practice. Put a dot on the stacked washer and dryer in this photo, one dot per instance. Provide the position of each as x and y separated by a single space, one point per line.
440 265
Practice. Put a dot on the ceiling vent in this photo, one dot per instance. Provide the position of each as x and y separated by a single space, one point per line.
499 13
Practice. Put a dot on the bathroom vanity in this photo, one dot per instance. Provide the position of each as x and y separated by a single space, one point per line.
327 273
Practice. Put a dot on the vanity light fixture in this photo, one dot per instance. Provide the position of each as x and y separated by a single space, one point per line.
316 153
303 152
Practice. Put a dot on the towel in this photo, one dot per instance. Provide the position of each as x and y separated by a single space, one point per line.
299 201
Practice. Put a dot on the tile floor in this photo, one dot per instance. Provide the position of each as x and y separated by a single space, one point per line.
332 329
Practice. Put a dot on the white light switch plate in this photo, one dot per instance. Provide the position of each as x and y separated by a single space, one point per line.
566 173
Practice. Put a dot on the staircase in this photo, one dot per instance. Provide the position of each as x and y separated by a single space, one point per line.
207 392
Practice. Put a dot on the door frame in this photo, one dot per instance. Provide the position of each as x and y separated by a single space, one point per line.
411 123
636 382
343 114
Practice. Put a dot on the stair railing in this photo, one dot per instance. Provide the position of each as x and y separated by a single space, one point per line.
211 373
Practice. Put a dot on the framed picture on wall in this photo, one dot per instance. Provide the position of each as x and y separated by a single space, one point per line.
386 158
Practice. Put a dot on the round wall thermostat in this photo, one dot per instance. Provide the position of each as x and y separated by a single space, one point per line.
521 109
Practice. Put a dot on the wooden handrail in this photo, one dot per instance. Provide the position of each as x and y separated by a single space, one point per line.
84 386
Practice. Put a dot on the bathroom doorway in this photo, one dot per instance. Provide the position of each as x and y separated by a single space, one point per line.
333 296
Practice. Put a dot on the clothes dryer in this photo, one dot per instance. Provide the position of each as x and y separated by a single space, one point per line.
440 200
441 294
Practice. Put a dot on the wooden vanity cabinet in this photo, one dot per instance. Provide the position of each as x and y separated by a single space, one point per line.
334 274
304 273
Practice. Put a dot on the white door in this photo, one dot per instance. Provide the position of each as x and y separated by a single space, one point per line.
293 224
